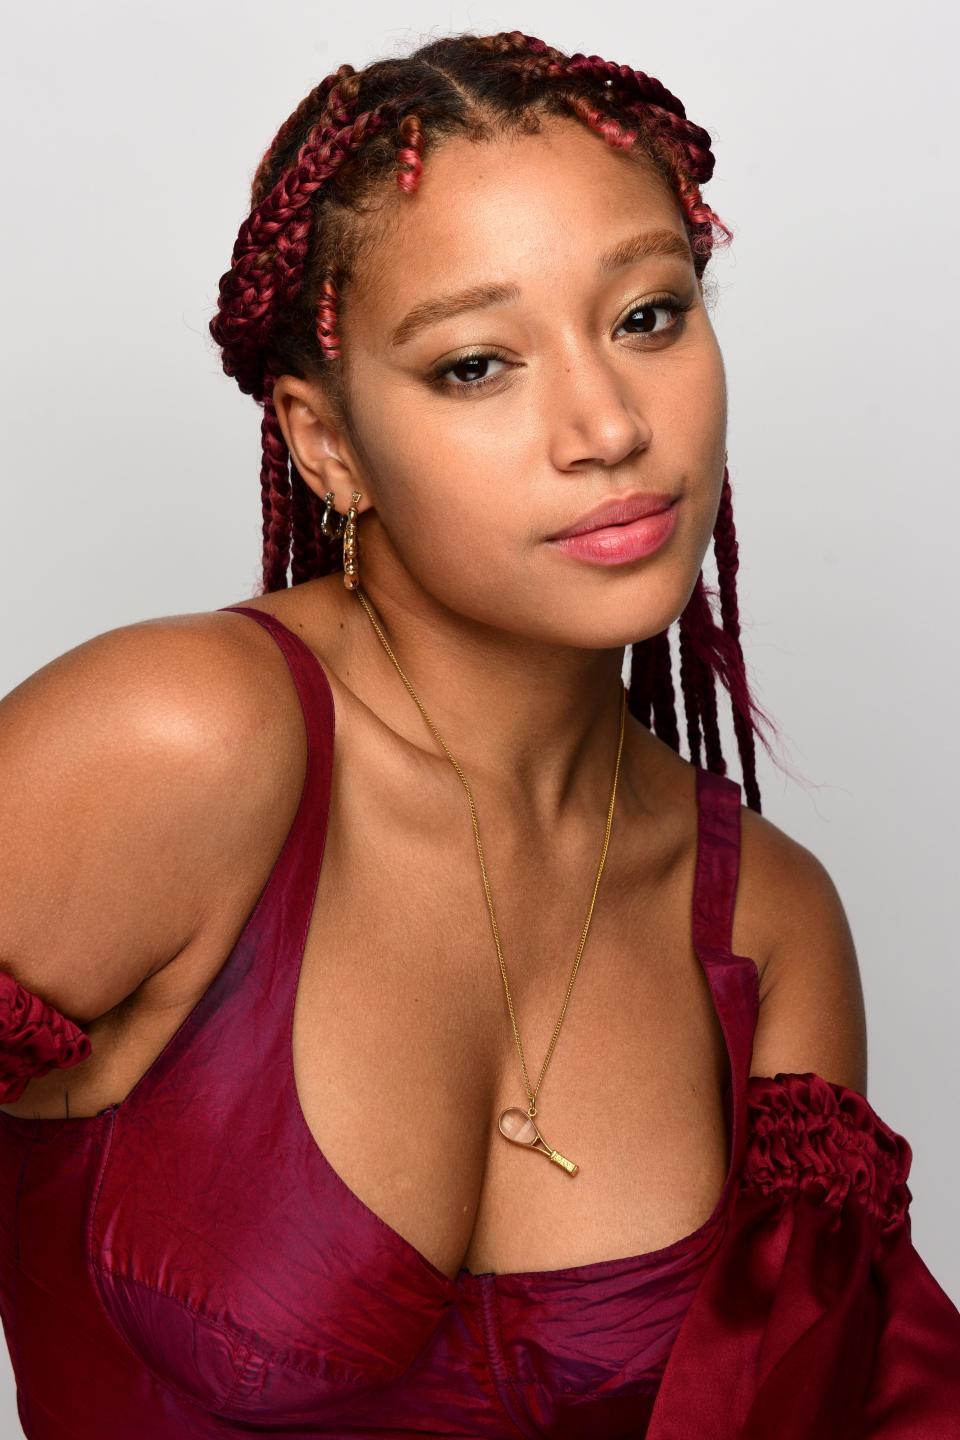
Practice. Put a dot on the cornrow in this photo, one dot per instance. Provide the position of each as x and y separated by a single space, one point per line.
683 146
409 167
245 314
270 251
300 246
303 118
604 125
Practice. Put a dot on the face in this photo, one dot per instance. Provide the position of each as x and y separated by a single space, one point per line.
476 436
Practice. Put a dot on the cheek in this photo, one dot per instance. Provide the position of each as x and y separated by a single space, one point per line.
451 497
456 493
695 404
690 430
444 467
715 410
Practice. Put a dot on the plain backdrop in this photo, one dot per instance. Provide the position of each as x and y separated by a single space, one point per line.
131 463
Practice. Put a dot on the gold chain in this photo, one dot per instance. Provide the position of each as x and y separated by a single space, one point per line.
531 1094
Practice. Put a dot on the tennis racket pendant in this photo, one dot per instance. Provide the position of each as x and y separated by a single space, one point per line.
517 1125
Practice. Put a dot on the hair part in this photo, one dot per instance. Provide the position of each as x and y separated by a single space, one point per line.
319 205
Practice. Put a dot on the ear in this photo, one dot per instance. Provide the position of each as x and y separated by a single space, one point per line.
318 442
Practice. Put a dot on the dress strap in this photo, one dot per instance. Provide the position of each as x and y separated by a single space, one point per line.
298 864
733 979
282 916
244 1012
718 861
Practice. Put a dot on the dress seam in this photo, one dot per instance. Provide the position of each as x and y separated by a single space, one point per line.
496 1360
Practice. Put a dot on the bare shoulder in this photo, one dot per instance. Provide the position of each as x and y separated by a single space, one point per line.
811 997
149 776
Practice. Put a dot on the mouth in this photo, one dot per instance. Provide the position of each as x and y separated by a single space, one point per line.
622 541
616 511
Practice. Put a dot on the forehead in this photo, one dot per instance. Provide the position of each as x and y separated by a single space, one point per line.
513 209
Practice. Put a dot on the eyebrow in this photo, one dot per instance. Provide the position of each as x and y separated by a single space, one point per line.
665 243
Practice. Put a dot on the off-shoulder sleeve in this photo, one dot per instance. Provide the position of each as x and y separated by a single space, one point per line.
817 1319
34 1038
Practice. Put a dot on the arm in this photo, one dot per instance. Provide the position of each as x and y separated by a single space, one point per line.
811 999
137 818
816 1308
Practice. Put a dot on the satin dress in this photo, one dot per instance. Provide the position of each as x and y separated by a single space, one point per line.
188 1263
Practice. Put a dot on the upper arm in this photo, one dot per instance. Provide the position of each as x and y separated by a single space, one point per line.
811 999
135 803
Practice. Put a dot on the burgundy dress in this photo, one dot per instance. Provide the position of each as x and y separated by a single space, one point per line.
187 1262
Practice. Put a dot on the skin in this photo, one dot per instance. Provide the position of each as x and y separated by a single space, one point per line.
516 652
460 491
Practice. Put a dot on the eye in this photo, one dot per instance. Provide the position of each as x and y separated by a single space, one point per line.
466 367
473 362
676 309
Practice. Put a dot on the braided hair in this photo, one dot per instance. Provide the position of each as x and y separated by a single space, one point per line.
310 225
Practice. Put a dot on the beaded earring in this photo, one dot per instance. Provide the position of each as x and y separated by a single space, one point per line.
351 574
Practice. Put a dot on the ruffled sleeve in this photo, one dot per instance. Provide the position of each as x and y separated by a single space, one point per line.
34 1038
808 1136
817 1318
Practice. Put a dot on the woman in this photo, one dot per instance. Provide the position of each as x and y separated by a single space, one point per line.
274 1152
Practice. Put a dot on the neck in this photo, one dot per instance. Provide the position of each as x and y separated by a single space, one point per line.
533 725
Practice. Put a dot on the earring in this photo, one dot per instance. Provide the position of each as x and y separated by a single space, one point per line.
331 521
351 575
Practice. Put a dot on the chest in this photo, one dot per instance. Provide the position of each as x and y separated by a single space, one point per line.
404 1050
299 1185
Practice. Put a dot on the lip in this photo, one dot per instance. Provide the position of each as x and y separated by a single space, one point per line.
617 544
617 510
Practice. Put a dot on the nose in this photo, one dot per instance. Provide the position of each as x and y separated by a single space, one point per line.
595 412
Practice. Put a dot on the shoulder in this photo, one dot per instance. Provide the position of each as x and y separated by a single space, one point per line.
811 998
196 692
149 776
789 918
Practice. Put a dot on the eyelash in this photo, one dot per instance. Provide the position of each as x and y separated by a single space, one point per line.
677 309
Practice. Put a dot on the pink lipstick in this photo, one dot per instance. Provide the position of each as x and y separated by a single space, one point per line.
621 529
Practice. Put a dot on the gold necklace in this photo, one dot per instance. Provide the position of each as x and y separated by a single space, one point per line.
515 1124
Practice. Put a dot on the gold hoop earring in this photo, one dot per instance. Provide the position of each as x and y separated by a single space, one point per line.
351 573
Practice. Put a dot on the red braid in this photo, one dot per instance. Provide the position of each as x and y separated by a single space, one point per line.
298 248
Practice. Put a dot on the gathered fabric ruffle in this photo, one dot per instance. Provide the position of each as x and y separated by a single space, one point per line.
34 1038
822 1138
816 1308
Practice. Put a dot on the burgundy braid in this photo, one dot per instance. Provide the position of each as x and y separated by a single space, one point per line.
298 249
689 684
727 553
705 700
327 318
409 156
663 696
640 688
247 293
304 116
275 497
304 533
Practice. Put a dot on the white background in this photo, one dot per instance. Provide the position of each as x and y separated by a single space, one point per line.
131 463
